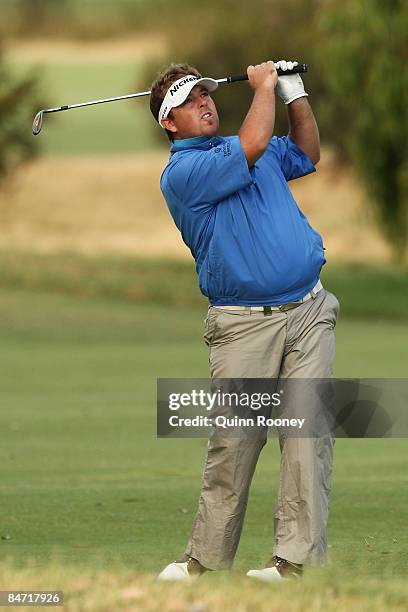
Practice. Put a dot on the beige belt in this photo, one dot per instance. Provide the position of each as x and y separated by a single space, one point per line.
267 310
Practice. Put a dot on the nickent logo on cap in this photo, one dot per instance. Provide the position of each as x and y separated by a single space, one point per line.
179 90
177 86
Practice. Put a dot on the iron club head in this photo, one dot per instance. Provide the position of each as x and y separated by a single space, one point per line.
38 122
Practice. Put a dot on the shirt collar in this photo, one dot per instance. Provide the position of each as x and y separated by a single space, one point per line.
188 143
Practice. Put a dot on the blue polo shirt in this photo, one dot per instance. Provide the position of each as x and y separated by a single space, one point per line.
251 243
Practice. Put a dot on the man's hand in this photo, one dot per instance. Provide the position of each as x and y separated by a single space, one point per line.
290 87
262 76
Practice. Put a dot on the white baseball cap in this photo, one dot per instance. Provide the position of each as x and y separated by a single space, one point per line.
179 90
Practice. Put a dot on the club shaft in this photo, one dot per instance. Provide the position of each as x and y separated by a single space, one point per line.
92 102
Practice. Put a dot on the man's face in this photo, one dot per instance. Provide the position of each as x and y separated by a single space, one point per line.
197 116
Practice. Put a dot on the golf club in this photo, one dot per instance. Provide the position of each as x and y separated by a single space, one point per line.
39 118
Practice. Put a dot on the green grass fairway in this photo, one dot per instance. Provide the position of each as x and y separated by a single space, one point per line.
86 482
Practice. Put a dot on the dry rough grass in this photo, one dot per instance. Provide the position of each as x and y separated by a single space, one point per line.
114 205
99 205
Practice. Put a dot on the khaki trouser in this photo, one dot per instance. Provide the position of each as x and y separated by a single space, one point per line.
297 343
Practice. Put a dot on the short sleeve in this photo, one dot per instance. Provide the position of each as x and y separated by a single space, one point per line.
209 176
293 161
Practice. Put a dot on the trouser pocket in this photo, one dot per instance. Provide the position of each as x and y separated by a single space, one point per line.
210 326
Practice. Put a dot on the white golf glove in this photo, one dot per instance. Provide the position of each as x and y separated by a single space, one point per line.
289 87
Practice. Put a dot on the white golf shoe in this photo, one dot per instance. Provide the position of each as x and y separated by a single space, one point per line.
267 574
182 570
280 569
175 572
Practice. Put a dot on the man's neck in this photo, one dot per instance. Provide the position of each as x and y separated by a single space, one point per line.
192 139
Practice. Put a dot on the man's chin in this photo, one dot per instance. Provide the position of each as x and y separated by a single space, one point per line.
208 130
211 130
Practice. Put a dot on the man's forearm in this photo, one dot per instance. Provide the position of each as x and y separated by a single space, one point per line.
303 128
257 129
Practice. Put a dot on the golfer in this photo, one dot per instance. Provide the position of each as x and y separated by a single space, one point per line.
258 260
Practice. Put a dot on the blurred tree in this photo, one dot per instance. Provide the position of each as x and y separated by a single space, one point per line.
18 102
41 16
78 19
366 70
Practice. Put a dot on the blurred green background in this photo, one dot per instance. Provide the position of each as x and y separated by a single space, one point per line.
102 129
98 296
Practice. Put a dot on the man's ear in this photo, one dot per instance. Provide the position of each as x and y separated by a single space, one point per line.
169 125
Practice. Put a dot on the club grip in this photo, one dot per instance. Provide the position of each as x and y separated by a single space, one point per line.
295 70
